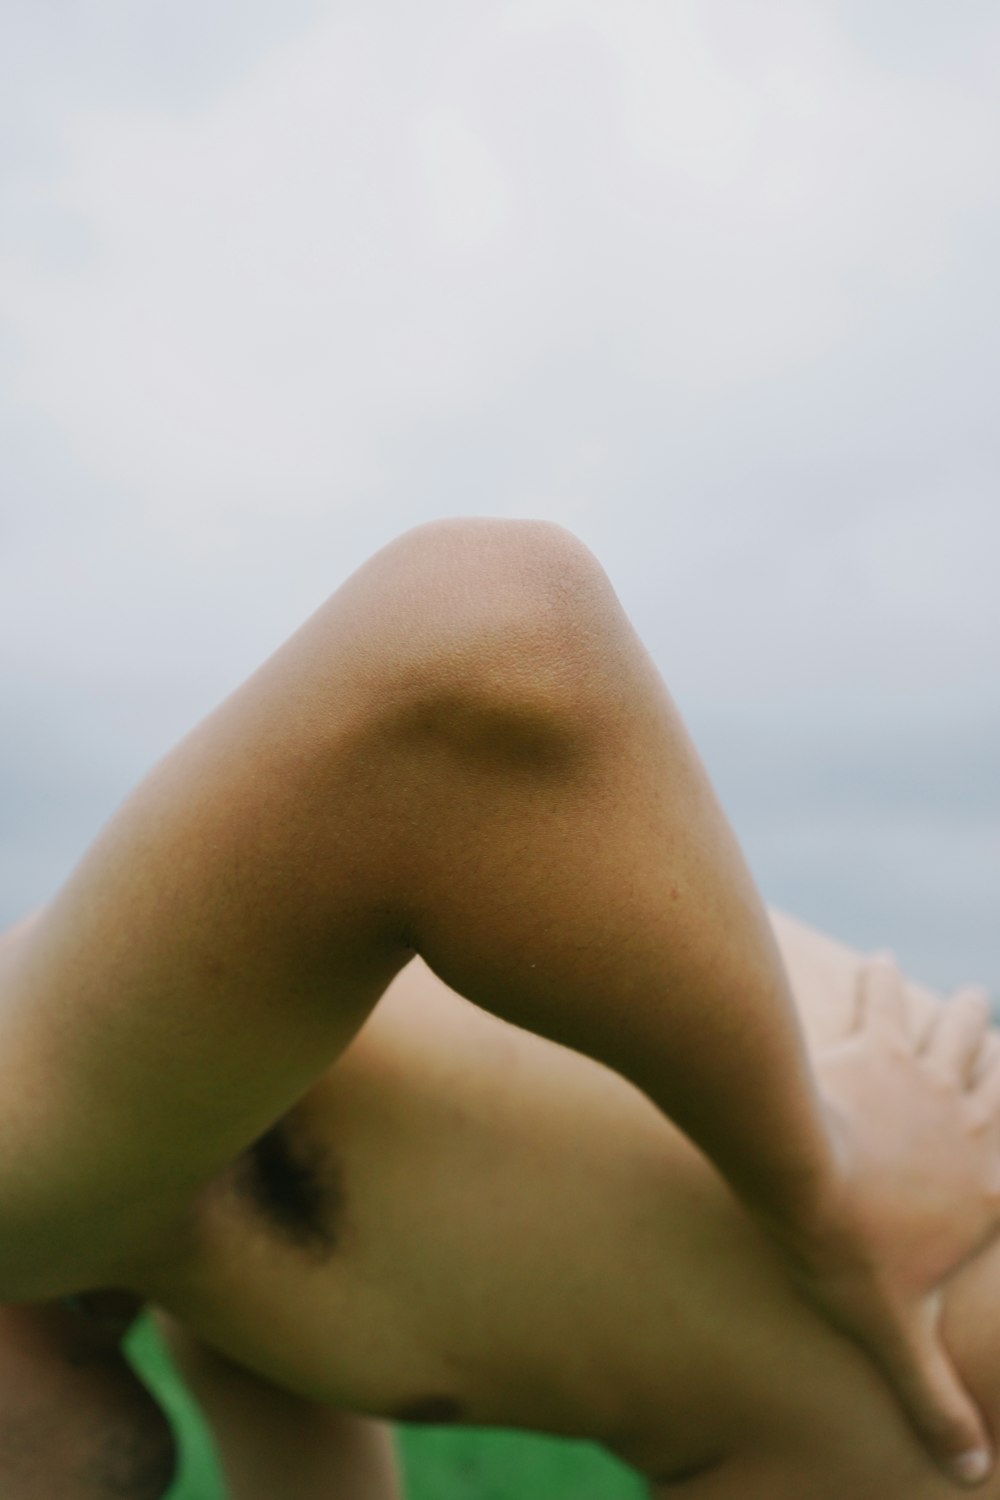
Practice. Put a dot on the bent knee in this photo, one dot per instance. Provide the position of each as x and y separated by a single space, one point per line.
511 618
515 558
497 578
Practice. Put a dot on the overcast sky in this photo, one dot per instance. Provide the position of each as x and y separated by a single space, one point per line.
713 284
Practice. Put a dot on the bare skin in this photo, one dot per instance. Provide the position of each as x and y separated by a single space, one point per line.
500 1231
273 1443
467 754
516 1234
75 1423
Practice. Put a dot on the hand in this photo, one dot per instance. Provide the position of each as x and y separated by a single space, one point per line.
917 1122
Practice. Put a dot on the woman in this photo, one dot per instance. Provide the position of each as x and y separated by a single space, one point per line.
466 754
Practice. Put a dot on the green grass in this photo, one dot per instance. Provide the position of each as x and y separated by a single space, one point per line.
440 1464
471 1465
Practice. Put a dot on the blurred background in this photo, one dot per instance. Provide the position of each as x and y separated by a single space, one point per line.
709 283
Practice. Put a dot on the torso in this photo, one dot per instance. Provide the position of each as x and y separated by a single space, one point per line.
461 1222
457 1223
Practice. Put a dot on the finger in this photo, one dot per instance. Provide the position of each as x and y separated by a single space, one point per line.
959 1030
986 1062
987 1086
989 1048
881 1000
942 1412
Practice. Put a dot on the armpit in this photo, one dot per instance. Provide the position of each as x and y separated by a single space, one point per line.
295 1187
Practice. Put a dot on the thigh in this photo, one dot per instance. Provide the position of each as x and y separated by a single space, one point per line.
214 931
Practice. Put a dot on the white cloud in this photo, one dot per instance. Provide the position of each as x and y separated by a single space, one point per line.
371 230
465 197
